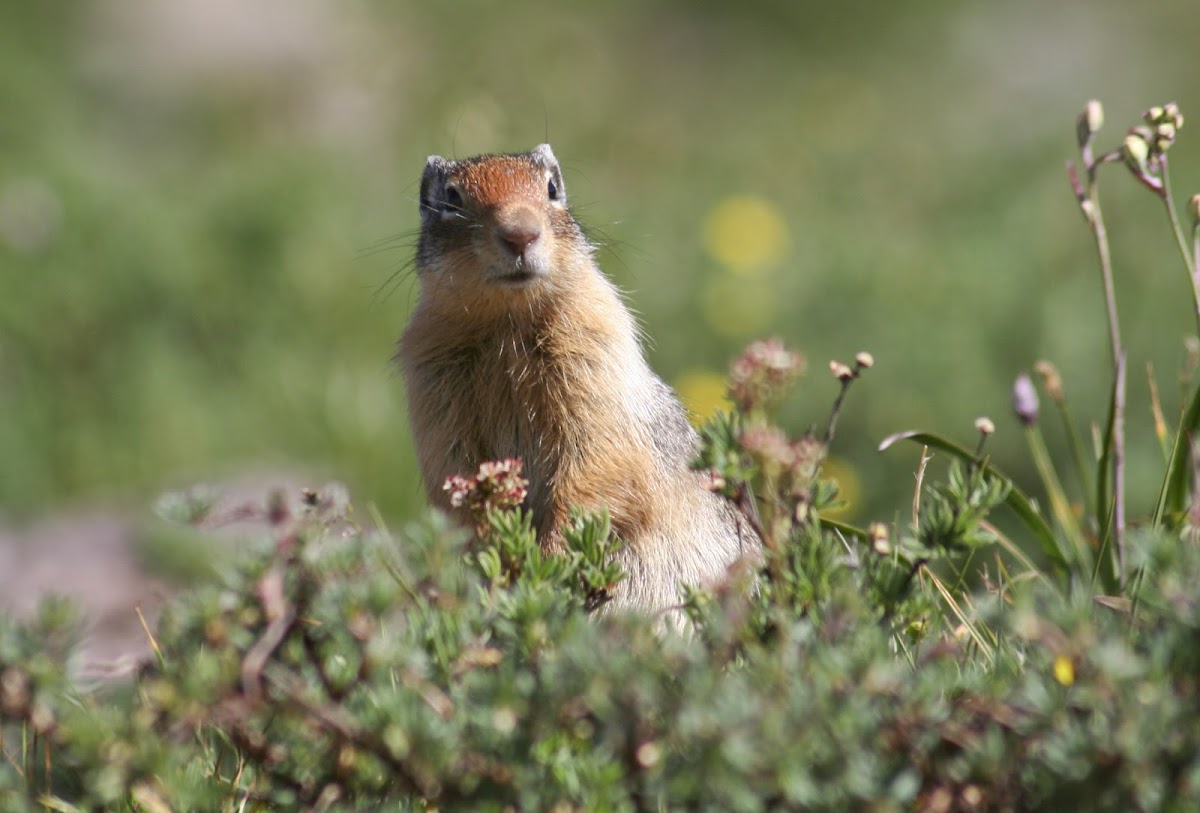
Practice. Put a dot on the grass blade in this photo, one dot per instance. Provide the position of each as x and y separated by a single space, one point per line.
1175 482
1105 570
1060 505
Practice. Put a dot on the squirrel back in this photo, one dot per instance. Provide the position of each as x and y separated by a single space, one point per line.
519 346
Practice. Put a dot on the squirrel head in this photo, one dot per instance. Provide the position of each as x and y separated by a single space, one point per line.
497 226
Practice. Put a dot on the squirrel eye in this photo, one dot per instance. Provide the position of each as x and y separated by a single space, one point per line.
454 197
552 189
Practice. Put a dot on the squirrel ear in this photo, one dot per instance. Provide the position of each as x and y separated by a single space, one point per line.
544 156
436 168
436 163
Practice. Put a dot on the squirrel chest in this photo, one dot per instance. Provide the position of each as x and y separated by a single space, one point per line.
536 392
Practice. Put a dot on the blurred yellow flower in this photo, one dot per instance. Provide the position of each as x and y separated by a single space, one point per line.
1064 670
746 234
703 392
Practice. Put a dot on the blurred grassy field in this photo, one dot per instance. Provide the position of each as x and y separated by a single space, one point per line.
207 207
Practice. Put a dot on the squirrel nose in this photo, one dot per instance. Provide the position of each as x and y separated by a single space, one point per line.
519 238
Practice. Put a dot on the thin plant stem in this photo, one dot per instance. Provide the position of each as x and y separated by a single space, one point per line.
1180 242
966 621
1014 550
1089 204
847 376
1196 255
837 408
916 503
1194 508
1100 235
1119 469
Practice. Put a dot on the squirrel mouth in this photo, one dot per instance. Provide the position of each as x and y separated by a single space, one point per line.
517 279
518 275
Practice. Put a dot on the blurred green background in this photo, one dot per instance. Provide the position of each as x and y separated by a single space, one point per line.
207 208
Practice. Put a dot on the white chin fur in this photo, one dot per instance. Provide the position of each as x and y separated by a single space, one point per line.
521 271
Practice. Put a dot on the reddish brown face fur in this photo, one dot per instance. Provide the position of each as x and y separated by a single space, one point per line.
504 180
496 222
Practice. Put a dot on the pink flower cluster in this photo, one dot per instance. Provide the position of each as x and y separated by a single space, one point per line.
759 376
497 486
776 452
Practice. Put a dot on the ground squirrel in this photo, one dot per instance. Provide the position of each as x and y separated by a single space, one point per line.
519 346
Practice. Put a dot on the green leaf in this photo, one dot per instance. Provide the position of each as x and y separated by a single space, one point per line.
844 528
1103 474
1060 505
1106 570
1016 500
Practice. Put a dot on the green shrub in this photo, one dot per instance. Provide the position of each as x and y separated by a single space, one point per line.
348 671
932 663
